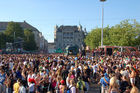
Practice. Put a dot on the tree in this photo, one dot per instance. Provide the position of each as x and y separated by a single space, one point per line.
93 39
127 33
123 34
2 40
29 40
14 30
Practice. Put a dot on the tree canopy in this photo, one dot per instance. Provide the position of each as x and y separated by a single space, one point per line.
127 33
14 28
13 32
29 39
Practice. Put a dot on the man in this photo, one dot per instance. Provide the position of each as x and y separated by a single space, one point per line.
104 81
132 76
2 79
22 89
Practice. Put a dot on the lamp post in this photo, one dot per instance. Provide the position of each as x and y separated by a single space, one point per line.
14 41
102 21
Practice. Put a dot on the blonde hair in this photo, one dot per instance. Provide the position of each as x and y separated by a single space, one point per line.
134 90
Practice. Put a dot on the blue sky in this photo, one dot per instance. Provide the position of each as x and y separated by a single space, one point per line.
45 14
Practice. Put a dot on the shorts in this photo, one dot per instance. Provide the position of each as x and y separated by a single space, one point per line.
132 80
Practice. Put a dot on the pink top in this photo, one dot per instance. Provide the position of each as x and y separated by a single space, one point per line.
61 89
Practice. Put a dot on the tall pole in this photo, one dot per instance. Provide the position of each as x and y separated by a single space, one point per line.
14 41
102 24
102 21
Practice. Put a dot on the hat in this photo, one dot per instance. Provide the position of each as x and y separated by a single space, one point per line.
62 82
31 80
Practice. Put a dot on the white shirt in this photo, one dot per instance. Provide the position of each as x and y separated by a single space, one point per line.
31 87
22 89
30 76
11 64
67 81
72 89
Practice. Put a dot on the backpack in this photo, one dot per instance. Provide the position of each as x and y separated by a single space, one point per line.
80 84
68 90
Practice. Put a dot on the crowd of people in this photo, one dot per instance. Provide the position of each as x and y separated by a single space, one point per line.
31 73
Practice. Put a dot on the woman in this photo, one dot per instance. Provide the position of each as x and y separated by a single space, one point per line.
72 87
62 87
68 80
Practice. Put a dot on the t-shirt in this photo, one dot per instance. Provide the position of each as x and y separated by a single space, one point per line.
22 89
31 87
18 74
11 64
123 85
73 89
2 78
94 68
102 81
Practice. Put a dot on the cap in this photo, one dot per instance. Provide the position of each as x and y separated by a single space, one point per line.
62 82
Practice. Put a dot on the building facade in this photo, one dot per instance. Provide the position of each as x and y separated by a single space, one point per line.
68 36
39 38
51 48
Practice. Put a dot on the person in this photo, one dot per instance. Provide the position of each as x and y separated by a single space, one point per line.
2 79
72 87
124 84
31 86
113 87
62 87
132 76
38 83
68 80
46 85
104 81
86 79
16 86
22 89
8 83
134 90
80 85
94 67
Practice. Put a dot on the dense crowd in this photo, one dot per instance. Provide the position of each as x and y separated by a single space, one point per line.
30 73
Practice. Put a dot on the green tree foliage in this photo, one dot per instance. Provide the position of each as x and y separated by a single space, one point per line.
2 40
127 33
14 28
29 40
15 31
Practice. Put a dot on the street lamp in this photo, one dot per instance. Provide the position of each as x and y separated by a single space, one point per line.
102 21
